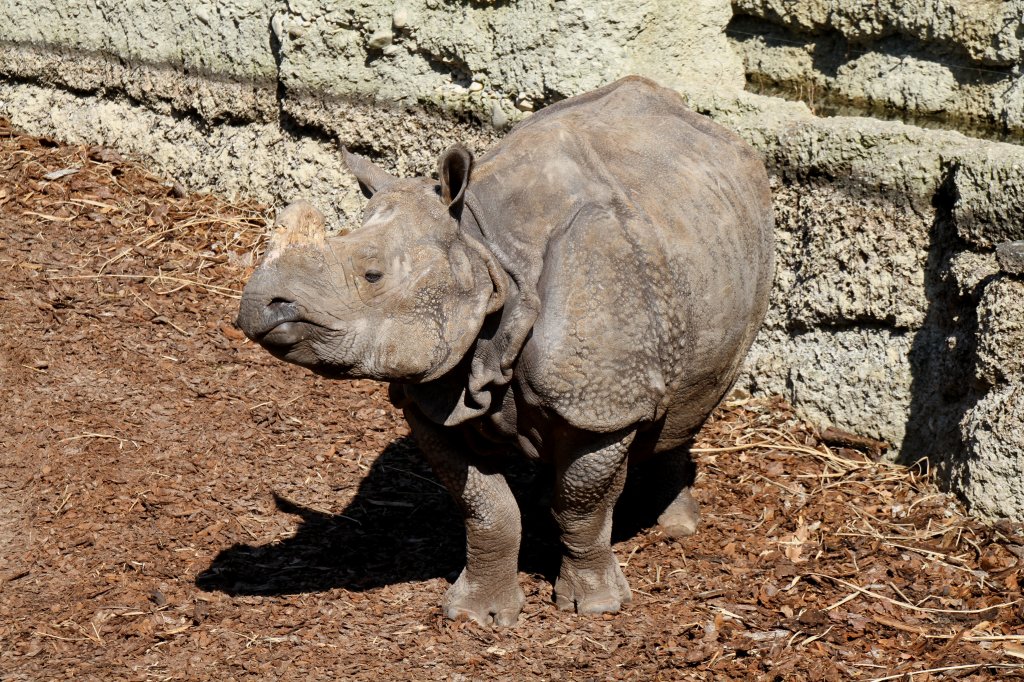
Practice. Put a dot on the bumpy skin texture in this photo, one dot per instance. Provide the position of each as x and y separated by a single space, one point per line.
584 294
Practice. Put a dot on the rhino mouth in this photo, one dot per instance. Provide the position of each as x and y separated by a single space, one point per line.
284 334
285 341
287 337
279 325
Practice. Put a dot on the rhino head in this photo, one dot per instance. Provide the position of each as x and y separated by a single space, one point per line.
401 298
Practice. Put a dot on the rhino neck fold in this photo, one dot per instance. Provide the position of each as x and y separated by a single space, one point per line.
469 391
475 224
522 304
464 393
505 241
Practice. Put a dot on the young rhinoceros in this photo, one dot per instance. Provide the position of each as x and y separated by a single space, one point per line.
585 293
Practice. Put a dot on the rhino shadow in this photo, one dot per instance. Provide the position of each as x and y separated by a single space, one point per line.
402 527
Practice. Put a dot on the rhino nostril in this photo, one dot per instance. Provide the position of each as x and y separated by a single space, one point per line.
281 308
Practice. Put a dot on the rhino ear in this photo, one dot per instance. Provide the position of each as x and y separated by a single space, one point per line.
372 178
453 170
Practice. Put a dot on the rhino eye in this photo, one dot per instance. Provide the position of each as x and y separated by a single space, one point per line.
373 276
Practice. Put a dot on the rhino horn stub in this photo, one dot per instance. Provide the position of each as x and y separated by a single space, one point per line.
298 224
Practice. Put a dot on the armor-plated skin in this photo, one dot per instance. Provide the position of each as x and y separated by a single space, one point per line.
584 293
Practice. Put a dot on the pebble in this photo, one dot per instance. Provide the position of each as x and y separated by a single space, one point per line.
203 15
476 87
400 19
524 105
277 26
380 39
499 119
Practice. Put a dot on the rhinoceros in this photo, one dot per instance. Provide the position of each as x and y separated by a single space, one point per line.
584 293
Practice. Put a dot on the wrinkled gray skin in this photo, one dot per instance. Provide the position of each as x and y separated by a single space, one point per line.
584 293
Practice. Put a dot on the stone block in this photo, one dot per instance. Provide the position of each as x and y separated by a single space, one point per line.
1010 256
989 185
848 258
513 57
966 271
1001 331
859 380
930 62
226 39
985 31
991 473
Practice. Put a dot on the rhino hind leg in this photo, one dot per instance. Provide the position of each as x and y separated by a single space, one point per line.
487 591
680 518
588 482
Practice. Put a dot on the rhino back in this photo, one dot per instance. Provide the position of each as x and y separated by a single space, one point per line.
646 230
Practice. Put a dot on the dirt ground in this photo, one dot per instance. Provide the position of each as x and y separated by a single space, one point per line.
175 504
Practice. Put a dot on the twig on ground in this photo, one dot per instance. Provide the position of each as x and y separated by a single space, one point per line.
908 605
948 668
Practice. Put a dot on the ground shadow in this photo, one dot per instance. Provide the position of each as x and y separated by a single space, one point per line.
403 527
400 527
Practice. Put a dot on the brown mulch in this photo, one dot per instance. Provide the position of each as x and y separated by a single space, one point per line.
175 504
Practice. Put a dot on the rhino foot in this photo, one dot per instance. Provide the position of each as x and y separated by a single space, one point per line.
484 603
590 590
680 519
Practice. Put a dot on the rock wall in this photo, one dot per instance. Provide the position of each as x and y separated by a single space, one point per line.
897 313
946 63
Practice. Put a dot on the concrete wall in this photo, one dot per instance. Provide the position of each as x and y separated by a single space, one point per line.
893 316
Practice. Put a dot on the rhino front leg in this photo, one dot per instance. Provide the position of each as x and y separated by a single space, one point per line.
589 480
488 589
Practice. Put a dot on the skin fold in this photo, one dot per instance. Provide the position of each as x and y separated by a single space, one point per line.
584 293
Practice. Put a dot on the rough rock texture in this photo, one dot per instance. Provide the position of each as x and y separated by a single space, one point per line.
990 195
873 327
498 60
992 477
1001 332
849 378
164 88
849 256
264 160
492 63
890 315
210 58
927 61
229 38
1010 256
984 30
